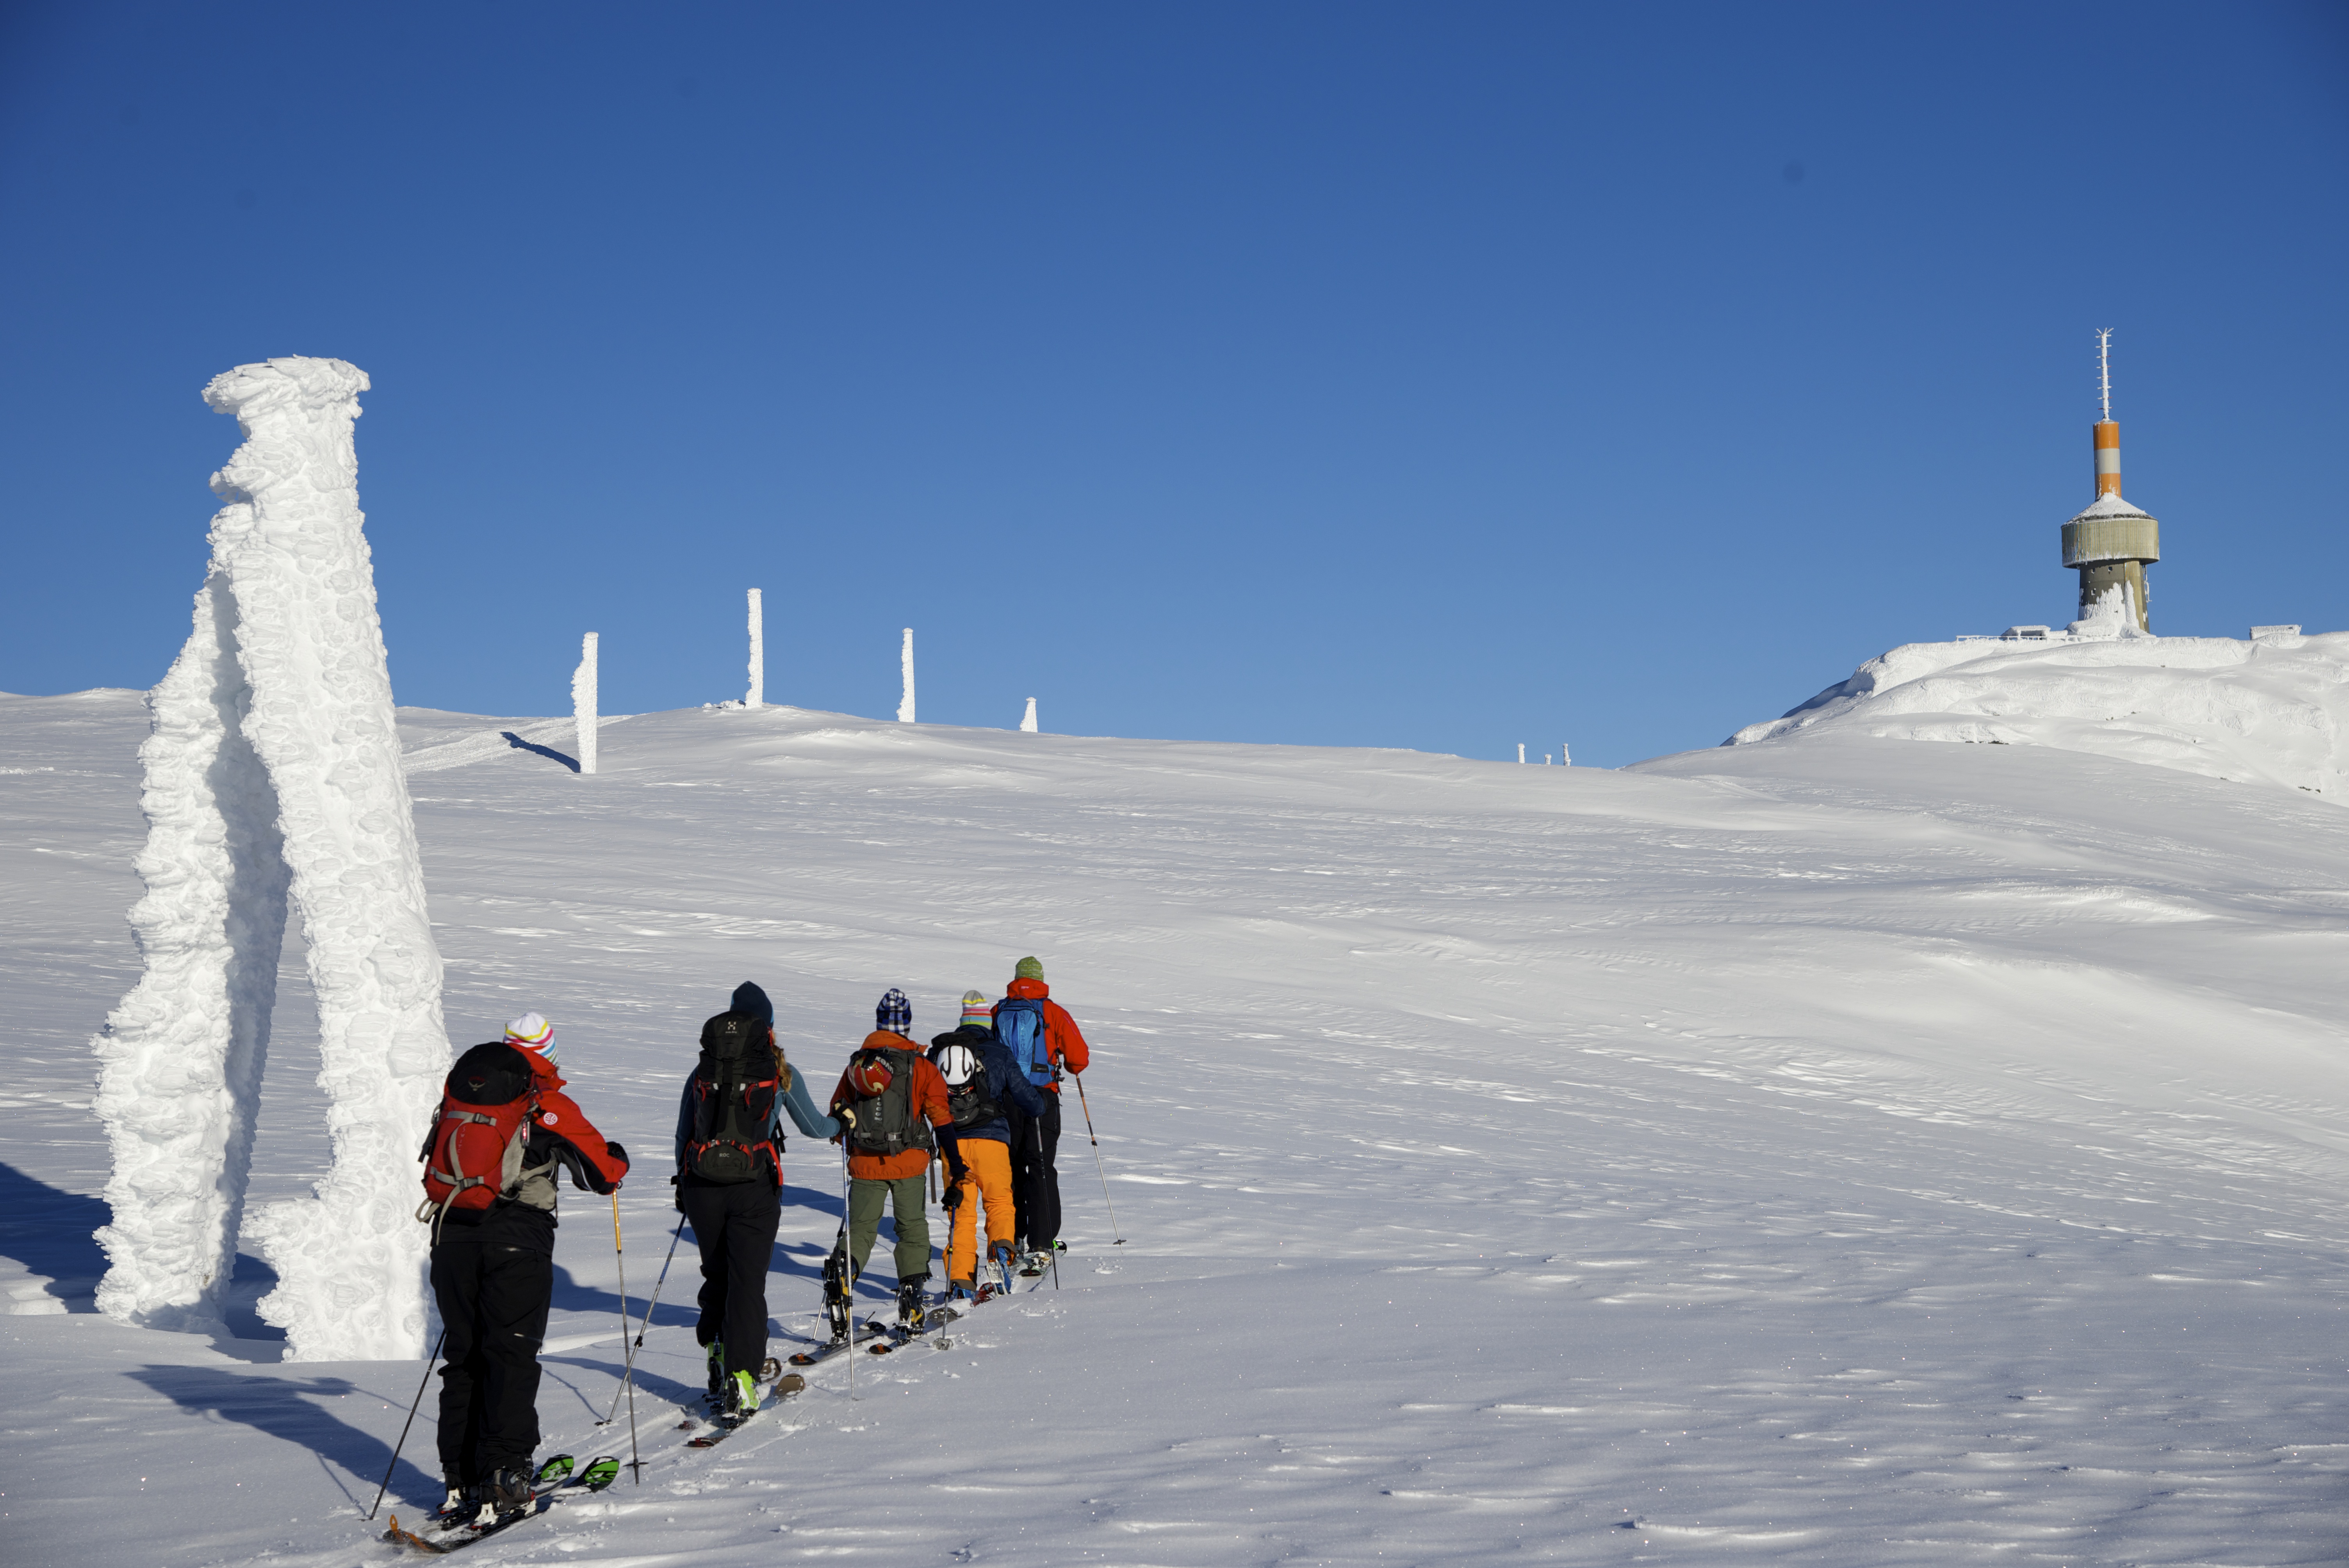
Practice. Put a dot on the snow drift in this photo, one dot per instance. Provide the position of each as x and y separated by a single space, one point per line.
274 768
2275 710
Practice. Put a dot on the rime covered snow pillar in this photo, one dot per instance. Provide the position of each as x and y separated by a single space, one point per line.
905 703
757 695
273 768
582 703
180 1062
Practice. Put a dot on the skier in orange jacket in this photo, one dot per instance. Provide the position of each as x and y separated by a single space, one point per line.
893 1111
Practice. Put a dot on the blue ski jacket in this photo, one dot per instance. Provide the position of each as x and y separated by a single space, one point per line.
1006 1084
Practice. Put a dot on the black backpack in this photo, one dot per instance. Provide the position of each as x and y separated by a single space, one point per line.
734 1089
885 1122
972 1104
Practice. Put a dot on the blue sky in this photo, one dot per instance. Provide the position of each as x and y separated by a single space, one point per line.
1437 376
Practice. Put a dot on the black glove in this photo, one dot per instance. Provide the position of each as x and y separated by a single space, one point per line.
677 1190
952 1200
614 1151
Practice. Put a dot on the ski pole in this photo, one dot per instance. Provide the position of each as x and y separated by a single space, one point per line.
412 1409
847 1271
644 1322
628 1372
1097 1159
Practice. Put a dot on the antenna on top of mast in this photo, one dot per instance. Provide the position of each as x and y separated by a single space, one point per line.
2105 370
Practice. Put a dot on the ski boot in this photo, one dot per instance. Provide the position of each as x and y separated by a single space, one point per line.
1003 1256
742 1394
458 1505
504 1494
717 1376
962 1290
838 1303
911 1311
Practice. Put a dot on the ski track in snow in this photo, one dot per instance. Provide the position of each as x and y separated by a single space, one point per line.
1825 1151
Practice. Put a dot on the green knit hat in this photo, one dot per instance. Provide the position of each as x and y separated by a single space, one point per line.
1028 969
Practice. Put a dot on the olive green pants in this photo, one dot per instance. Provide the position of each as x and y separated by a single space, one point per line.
909 1200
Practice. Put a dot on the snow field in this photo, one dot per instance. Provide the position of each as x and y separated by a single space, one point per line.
1836 1150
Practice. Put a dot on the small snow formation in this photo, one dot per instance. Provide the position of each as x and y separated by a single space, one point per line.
274 770
1028 721
2275 709
582 703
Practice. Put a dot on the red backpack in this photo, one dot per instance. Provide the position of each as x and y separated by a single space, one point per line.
476 1152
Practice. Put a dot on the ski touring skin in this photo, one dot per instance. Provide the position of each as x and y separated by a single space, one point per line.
554 1483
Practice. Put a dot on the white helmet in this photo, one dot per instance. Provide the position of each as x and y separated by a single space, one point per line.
957 1064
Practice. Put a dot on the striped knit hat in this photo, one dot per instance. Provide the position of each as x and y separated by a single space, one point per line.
895 1014
977 1008
534 1031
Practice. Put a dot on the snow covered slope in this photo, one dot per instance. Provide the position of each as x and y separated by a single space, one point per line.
1845 1151
2274 710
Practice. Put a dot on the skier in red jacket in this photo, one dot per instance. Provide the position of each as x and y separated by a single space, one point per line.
493 1265
1044 1041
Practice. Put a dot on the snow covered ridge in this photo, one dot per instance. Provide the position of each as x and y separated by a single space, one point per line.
2275 709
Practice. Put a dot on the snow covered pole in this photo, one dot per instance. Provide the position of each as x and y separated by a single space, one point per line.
1028 725
905 703
583 702
273 774
1521 754
1564 759
758 694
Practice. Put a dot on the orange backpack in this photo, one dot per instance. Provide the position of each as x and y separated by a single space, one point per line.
478 1141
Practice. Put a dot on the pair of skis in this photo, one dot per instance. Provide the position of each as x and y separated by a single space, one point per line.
554 1483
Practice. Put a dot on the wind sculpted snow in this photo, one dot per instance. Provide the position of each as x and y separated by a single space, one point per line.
1834 1150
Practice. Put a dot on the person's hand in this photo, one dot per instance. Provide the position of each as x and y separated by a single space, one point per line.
952 1200
846 1115
677 1191
614 1151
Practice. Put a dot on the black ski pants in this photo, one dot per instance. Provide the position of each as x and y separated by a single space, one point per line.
734 1226
494 1282
1035 1184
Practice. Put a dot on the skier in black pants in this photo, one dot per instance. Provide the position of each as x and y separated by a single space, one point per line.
494 1252
729 1142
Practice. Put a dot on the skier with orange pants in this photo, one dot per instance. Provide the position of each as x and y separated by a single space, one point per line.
984 1088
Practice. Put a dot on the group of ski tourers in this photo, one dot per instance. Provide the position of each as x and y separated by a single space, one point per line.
983 1100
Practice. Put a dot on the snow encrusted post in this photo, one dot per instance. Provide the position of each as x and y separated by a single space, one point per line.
1565 760
583 702
757 697
905 703
1028 724
273 771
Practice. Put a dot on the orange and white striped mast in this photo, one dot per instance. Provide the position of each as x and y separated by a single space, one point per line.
2108 434
2112 542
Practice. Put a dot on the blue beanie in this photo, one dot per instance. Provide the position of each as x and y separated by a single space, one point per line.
895 1014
